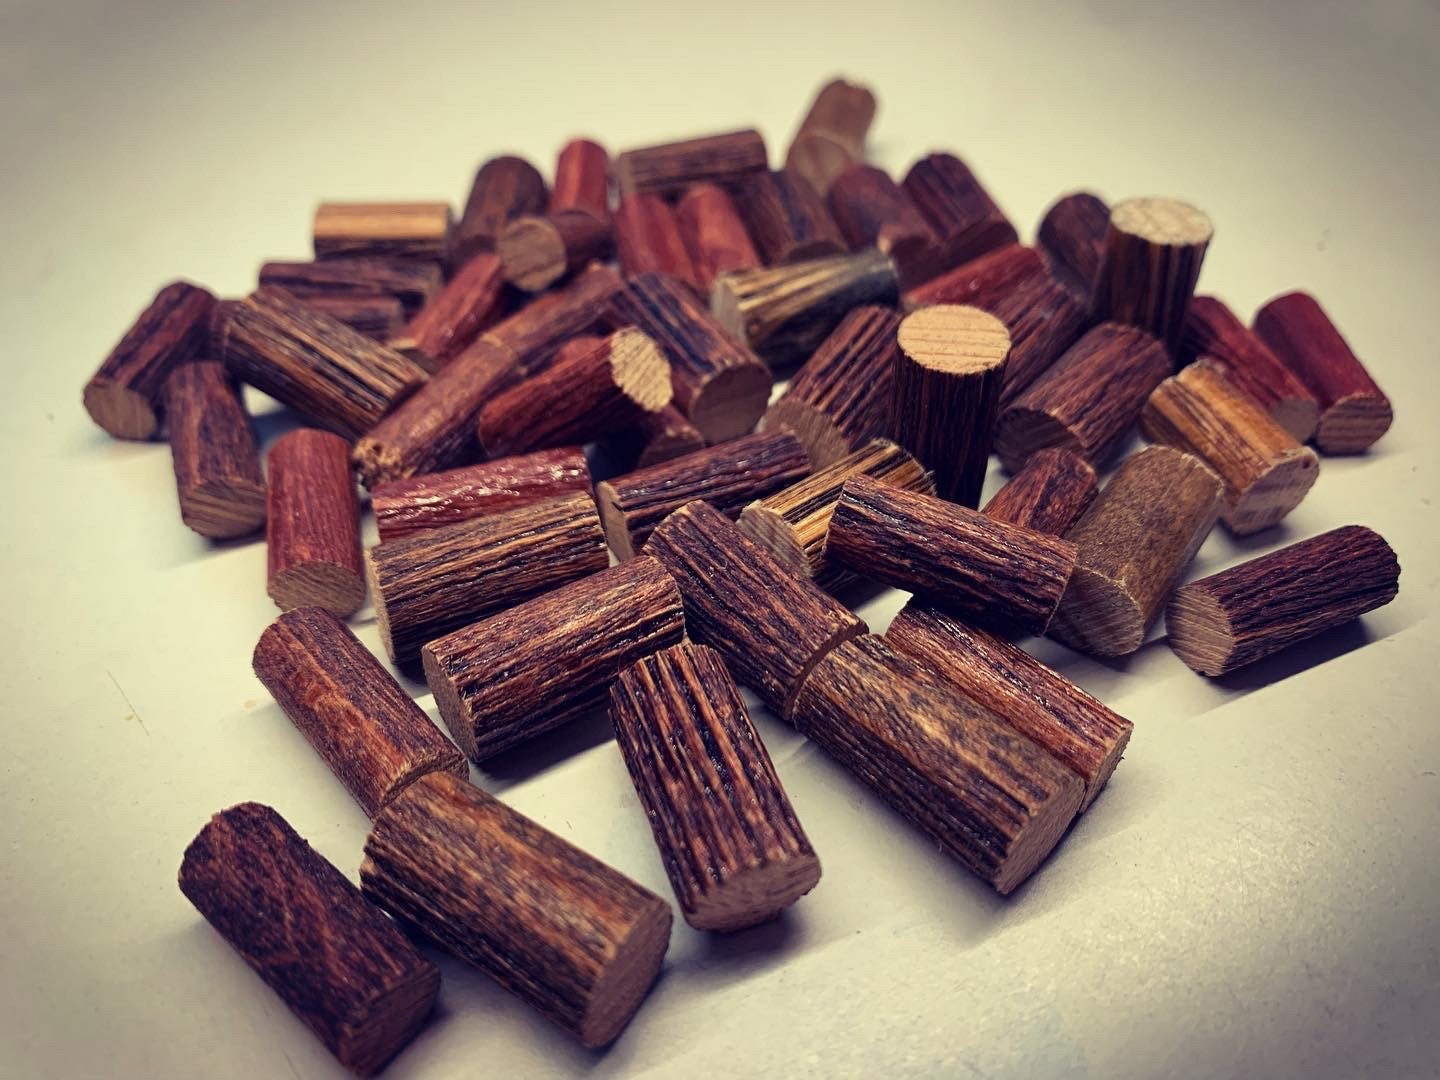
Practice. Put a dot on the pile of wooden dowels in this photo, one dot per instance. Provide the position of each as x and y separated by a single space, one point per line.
461 369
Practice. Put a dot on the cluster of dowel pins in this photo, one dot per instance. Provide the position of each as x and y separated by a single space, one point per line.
646 305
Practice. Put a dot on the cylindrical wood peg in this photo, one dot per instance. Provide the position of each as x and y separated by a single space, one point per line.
714 234
471 300
1048 494
217 465
537 252
414 283
669 168
1044 319
787 219
872 211
394 230
831 137
648 240
1153 251
655 437
1072 236
537 331
505 188
958 207
378 316
312 524
983 282
582 179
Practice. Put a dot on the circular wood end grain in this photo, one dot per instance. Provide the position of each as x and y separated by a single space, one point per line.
755 894
1354 423
447 699
1167 222
120 411
1022 431
1041 834
1278 491
728 404
821 437
631 969
612 520
532 253
1098 615
640 369
771 531
223 509
1199 630
954 339
1299 416
336 588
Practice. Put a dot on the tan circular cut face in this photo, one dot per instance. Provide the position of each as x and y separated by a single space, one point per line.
1163 221
640 369
955 339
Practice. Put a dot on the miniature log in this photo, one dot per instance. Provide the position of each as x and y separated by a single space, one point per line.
1354 412
391 230
714 234
217 465
505 188
579 397
434 428
785 312
990 797
379 316
338 963
794 522
471 300
655 437
719 384
439 580
1212 330
983 282
312 524
1048 494
1266 473
999 574
412 282
1072 236
958 207
375 739
331 374
648 240
731 844
871 210
1151 261
839 400
669 168
728 476
831 137
946 384
1039 703
582 179
537 252
787 219
1134 542
551 659
1244 614
537 330
431 501
1089 399
1044 319
125 396
769 625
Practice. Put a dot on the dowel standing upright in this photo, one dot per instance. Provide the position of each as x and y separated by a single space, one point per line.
1051 490
312 535
831 137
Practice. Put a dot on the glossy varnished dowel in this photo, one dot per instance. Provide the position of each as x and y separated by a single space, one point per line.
669 168
125 396
872 211
831 137
538 252
395 230
1249 612
1072 236
1354 411
582 179
1265 471
959 209
1044 319
1049 492
714 233
557 928
335 960
946 385
471 300
217 465
1088 400
312 524
730 841
785 217
375 739
794 523
785 312
1151 261
839 400
413 282
655 437
983 282
537 331
987 795
727 475
1003 575
1039 703
770 625
505 188
433 500
648 239
439 580
546 662
1134 542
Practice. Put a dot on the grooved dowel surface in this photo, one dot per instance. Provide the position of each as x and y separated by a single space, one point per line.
714 233
1072 235
958 207
648 240
312 525
217 464
1149 266
538 330
669 168
1044 319
582 179
504 188
1051 490
470 301
787 219
414 283
537 252
871 210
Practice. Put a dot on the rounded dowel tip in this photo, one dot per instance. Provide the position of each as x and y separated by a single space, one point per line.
1168 222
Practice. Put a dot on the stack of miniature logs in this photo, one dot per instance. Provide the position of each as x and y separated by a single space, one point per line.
580 369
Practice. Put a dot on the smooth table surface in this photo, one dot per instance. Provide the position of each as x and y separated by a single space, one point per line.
1255 894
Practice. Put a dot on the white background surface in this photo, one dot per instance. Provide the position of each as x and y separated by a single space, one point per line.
1256 893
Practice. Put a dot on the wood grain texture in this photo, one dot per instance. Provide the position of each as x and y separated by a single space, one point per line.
769 625
728 476
719 384
1088 400
655 437
839 399
1038 702
793 524
557 928
785 312
538 252
786 218
473 299
378 316
375 739
312 525
984 281
958 207
434 428
990 797
1266 473
1044 319
648 240
552 659
321 368
394 230
831 137
582 179
217 464
669 168
504 188
338 964
946 385
714 233
433 500
1212 330
1153 252
413 282
125 396
582 395
439 580
1048 493
1354 411
999 574
1251 611
731 843
1072 237
1134 542
537 330
872 210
